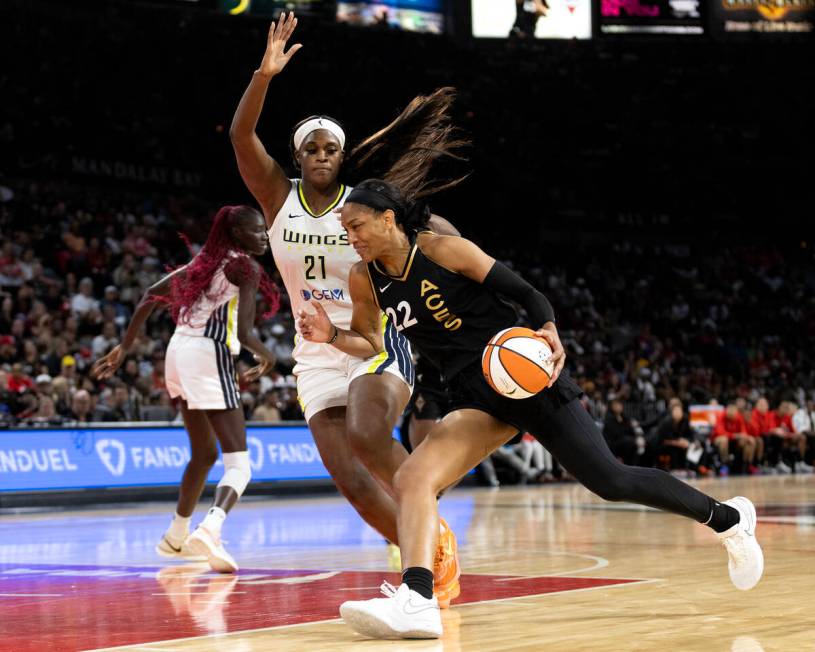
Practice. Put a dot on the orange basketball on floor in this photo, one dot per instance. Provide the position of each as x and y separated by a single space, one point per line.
517 363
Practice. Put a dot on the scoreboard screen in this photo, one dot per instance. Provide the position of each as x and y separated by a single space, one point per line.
650 17
409 15
522 19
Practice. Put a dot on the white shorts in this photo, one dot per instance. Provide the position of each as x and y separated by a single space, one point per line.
324 373
202 372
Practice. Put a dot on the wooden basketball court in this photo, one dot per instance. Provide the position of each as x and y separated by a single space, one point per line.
545 568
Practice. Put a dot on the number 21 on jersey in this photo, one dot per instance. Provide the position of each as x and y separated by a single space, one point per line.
312 263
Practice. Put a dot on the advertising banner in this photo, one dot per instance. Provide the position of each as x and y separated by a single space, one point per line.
128 457
763 16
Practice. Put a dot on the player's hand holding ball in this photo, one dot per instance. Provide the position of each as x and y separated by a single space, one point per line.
519 362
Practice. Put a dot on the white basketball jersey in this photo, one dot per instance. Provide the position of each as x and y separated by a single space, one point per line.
313 256
215 314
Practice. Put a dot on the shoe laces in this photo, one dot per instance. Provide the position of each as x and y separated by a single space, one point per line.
387 589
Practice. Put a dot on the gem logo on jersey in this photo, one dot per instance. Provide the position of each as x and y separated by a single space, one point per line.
109 450
337 294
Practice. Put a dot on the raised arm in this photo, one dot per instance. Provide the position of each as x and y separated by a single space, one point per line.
263 176
107 365
364 339
466 258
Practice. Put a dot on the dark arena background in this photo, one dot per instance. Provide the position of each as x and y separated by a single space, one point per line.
645 164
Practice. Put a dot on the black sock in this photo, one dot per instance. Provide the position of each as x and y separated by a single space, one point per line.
420 580
722 517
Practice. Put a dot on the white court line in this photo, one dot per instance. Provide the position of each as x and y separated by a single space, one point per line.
201 593
30 595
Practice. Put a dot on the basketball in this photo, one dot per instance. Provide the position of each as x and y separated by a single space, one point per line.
517 363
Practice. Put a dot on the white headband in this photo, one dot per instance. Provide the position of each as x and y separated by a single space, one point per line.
318 123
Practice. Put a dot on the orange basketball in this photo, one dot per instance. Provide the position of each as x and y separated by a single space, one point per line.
517 363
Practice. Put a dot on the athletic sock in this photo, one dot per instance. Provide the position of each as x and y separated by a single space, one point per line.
179 527
420 580
214 520
722 517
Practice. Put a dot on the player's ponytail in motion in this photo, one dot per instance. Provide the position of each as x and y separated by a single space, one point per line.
187 288
411 146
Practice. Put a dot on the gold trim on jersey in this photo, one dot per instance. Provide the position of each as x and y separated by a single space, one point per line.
405 269
305 205
373 287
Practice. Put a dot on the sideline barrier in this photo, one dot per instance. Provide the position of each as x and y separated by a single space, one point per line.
141 455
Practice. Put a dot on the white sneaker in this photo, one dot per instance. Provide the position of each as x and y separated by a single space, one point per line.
783 469
203 542
402 614
746 561
803 467
174 550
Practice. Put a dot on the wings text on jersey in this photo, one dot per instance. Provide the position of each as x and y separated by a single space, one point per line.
314 239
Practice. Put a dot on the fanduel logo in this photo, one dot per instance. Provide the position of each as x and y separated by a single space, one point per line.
324 295
109 450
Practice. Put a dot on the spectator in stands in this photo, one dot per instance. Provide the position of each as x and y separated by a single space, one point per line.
68 371
122 405
18 382
112 308
46 413
43 385
674 437
621 436
106 340
795 443
764 425
83 302
730 436
11 270
268 410
81 407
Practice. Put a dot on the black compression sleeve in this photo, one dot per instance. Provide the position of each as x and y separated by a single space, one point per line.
504 281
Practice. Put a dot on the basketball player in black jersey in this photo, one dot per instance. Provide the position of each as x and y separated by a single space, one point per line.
445 295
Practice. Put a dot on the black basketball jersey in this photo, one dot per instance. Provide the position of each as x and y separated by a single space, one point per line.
448 317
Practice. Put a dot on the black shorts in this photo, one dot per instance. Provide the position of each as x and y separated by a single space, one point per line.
430 398
469 389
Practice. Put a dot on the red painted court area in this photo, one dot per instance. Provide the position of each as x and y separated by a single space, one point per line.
69 608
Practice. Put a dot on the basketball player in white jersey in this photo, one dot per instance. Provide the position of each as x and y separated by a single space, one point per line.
350 404
212 299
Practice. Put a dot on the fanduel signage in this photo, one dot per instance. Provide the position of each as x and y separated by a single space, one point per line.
121 457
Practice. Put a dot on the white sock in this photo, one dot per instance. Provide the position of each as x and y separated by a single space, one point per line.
179 527
214 520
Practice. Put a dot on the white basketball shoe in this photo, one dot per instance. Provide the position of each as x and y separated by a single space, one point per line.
172 549
204 542
402 614
746 560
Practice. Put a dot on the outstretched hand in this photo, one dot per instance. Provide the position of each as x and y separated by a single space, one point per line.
315 327
549 333
275 58
107 365
261 369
